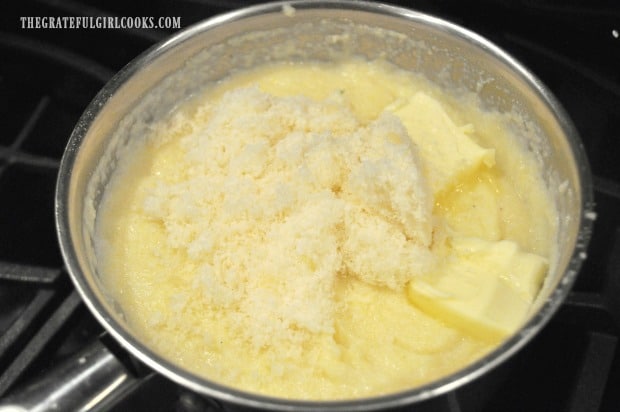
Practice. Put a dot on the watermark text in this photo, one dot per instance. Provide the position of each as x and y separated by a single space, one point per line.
99 22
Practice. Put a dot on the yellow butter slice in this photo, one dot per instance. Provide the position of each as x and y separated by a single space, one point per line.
447 151
485 289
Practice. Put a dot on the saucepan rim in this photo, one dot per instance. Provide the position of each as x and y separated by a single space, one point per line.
228 394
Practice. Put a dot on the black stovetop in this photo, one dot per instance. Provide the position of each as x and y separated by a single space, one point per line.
48 76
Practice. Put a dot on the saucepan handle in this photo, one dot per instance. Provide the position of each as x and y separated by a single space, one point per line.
88 381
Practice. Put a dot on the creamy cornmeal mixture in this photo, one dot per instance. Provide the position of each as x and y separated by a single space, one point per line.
320 231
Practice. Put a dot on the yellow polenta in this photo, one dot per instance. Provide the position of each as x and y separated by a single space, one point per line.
326 232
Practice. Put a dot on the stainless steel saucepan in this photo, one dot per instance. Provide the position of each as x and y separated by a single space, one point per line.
153 84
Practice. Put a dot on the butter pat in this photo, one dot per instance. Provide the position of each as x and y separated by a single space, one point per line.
484 288
446 150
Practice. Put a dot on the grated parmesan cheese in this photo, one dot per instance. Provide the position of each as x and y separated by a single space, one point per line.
279 196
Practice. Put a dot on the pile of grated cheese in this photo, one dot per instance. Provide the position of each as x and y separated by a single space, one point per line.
279 196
